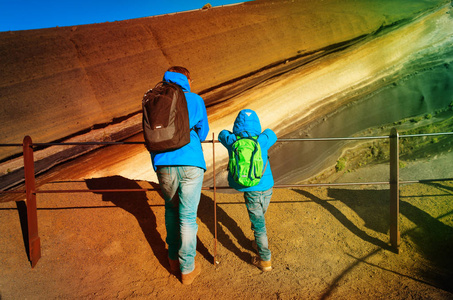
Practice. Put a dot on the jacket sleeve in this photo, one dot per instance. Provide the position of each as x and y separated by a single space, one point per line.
267 138
201 117
226 138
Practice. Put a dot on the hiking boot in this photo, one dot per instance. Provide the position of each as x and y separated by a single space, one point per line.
188 278
263 265
174 265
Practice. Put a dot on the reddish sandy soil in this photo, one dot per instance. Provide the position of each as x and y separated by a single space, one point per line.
328 243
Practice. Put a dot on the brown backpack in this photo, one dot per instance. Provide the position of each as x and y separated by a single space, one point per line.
165 118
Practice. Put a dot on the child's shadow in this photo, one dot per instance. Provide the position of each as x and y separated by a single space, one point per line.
135 203
205 213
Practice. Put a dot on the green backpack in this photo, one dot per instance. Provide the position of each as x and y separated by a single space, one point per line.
246 162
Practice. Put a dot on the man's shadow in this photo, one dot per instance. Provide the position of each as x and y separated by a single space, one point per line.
135 203
206 215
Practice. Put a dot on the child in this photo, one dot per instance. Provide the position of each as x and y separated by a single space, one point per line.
257 198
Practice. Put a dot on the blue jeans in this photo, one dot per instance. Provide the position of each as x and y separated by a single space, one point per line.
257 203
181 188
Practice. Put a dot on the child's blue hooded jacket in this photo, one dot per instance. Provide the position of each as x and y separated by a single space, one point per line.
247 123
192 153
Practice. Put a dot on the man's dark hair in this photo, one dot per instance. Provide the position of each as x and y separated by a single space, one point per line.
182 70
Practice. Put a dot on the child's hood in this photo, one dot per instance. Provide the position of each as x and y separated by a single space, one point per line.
247 123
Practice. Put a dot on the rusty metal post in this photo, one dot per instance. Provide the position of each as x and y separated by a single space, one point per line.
394 190
215 201
34 242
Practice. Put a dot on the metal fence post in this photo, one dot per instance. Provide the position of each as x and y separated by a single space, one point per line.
34 242
215 201
394 190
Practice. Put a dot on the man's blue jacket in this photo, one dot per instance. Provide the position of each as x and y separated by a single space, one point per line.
247 123
192 153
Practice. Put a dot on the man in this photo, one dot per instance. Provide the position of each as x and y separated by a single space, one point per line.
258 197
180 173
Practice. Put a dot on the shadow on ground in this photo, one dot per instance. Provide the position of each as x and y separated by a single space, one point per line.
432 238
355 205
135 203
206 215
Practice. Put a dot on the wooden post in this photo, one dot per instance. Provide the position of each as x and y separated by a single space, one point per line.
394 190
34 242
